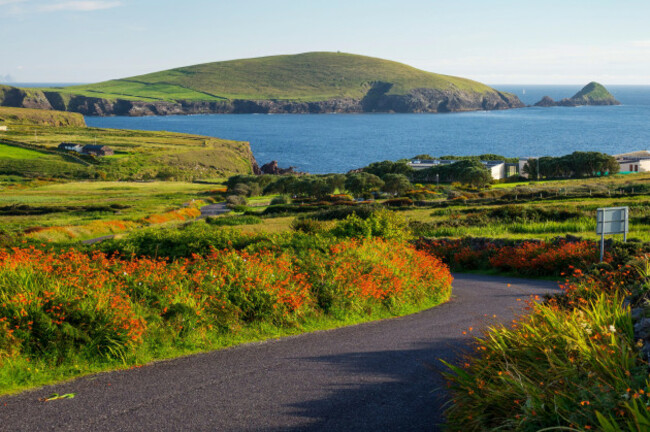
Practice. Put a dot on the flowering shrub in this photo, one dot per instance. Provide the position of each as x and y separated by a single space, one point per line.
174 215
56 303
525 258
355 275
543 258
60 305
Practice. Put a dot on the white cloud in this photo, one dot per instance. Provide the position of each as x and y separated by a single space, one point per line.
21 7
81 5
641 43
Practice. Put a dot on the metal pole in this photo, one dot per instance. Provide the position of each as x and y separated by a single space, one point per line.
602 244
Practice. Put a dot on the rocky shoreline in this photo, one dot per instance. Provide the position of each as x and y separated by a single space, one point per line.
376 100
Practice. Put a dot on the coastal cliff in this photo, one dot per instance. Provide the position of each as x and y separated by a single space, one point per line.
421 100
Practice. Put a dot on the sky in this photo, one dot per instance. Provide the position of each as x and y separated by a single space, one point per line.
495 41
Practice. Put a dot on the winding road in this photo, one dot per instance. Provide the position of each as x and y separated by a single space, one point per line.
380 376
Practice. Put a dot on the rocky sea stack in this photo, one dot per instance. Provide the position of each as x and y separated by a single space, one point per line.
591 94
318 82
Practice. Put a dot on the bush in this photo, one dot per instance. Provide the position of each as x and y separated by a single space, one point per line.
280 200
338 197
575 369
342 212
235 200
307 225
196 238
383 223
291 209
399 202
234 220
526 258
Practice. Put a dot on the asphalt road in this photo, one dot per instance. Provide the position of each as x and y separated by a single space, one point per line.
381 376
213 210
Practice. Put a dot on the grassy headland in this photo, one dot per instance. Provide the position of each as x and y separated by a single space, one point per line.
309 82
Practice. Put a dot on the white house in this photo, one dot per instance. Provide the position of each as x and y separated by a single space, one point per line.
3 128
496 168
66 146
638 161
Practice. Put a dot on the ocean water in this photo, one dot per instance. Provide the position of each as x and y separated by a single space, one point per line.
324 143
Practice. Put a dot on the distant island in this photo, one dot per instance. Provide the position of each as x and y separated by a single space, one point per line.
317 82
591 94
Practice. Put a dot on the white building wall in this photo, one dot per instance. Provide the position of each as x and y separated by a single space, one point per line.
642 165
498 171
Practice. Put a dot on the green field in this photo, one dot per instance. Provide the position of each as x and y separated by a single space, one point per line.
9 152
312 76
38 204
140 155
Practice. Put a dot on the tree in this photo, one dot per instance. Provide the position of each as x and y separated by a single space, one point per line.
476 176
337 181
360 183
396 184
380 169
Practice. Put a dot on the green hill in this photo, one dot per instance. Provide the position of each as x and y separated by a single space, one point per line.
310 82
304 77
594 94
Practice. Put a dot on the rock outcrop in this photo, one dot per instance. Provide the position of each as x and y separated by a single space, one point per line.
591 94
273 168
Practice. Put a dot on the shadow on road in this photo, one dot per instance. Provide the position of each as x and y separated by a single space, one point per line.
404 390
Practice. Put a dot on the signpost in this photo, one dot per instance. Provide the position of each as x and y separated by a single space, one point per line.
611 220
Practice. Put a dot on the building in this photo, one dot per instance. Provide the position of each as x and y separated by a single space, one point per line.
3 128
66 146
638 161
97 150
522 162
497 168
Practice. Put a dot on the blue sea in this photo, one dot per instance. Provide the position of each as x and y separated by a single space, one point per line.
325 143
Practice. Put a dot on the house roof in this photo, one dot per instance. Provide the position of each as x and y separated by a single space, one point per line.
640 154
95 147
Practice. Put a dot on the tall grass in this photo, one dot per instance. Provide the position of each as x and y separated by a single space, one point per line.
569 369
